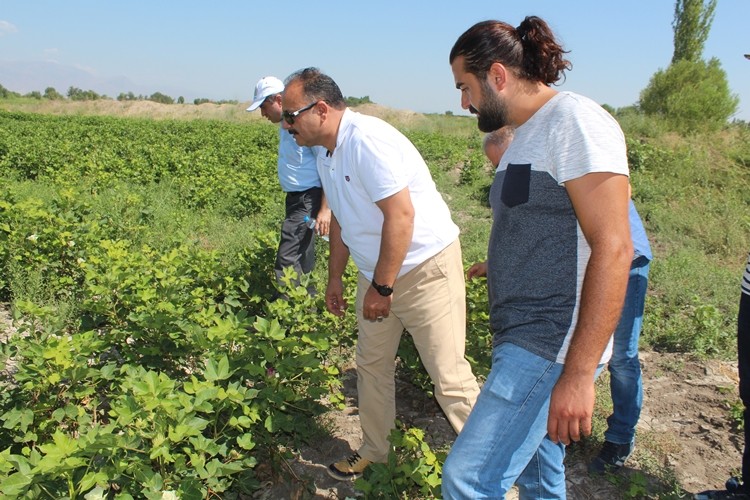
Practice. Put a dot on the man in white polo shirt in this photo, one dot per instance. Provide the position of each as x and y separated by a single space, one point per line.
389 216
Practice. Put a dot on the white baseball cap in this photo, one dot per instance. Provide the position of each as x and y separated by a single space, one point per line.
267 86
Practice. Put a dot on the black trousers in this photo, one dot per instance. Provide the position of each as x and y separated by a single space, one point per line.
743 365
297 241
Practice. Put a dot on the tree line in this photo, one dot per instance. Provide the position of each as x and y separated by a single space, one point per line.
690 94
77 94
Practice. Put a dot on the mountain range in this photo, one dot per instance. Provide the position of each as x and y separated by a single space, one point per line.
27 76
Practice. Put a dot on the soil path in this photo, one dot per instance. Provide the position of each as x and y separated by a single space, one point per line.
687 441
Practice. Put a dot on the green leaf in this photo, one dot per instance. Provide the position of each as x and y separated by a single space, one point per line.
59 414
92 479
18 419
246 441
232 301
217 371
269 424
15 484
97 493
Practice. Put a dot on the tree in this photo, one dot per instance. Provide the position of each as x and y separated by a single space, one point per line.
76 94
5 93
690 95
357 101
692 23
126 97
52 94
162 98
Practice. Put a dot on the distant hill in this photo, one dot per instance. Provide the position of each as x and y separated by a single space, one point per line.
27 76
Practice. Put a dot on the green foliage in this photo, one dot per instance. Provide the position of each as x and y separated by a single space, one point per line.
478 333
737 414
5 93
76 94
690 96
161 98
102 408
75 419
634 486
474 169
138 257
698 240
52 94
122 96
692 23
172 374
357 101
413 470
235 169
641 154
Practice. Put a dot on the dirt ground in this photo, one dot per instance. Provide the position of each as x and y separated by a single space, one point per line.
686 439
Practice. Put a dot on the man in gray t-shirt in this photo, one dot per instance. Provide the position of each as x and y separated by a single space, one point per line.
558 261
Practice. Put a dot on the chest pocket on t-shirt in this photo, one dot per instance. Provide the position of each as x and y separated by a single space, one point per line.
516 185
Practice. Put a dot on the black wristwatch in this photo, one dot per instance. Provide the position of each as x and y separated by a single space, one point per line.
383 290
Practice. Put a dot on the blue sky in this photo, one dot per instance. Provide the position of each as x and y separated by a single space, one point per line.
394 52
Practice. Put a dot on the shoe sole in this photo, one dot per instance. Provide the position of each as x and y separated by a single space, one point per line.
340 476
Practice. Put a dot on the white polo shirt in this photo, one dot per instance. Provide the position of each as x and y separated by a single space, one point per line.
373 161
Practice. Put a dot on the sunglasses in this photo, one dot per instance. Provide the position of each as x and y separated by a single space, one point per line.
290 116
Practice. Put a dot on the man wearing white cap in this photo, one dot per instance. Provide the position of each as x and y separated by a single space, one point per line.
298 176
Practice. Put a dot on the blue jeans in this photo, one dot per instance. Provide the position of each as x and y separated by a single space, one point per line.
504 440
625 382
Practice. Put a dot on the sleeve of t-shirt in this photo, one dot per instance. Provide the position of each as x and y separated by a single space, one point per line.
380 167
587 140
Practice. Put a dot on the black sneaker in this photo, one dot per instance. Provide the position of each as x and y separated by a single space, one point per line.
611 458
722 495
734 491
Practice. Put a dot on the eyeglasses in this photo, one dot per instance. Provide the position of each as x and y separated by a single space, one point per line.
290 116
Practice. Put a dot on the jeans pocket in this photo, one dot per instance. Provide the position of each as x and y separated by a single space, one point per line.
516 185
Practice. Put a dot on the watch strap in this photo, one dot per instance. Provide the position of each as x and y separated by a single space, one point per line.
383 290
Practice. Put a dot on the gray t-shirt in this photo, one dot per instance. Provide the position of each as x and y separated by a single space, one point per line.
537 253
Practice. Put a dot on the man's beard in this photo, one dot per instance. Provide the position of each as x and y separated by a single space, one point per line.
494 113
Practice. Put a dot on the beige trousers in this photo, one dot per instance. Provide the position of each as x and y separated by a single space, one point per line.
430 303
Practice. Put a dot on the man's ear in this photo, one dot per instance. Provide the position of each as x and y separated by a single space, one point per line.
322 108
497 76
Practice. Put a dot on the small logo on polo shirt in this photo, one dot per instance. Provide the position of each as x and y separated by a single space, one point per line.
347 178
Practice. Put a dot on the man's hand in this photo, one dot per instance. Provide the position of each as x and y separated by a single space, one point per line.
376 307
570 408
335 302
477 270
323 221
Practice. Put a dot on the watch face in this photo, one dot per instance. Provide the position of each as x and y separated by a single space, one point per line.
383 290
